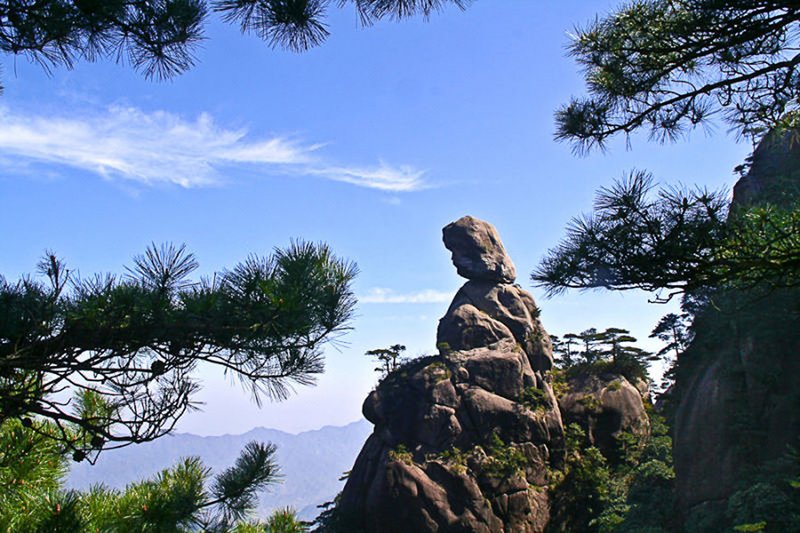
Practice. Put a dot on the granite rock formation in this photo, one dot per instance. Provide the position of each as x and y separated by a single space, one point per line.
738 405
478 253
606 405
463 440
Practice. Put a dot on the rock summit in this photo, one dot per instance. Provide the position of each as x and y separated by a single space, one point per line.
478 252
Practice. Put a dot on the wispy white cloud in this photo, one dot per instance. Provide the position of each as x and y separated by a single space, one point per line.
384 177
161 147
379 295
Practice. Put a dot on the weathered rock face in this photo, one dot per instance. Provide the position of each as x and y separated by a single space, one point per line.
483 313
774 175
463 440
605 406
738 404
477 251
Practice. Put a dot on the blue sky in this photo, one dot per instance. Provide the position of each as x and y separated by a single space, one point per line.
371 143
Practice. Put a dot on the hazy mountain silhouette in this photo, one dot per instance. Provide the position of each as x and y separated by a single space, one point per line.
311 462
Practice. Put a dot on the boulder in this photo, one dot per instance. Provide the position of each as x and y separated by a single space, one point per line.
606 406
477 251
465 327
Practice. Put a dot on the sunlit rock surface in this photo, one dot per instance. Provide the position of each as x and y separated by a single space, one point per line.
606 406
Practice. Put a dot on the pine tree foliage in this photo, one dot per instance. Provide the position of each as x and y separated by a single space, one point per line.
667 66
237 487
110 360
32 498
674 330
673 241
388 359
159 38
31 467
285 521
612 350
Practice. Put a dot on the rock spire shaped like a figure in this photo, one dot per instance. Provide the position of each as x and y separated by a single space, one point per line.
442 421
478 252
488 308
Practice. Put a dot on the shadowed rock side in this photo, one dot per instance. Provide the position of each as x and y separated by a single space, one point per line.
463 440
738 404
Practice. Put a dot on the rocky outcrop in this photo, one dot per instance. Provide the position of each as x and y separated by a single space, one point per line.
774 175
738 405
606 406
464 439
738 402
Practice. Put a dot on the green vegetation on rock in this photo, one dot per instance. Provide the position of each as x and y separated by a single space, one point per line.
635 494
504 460
609 351
401 454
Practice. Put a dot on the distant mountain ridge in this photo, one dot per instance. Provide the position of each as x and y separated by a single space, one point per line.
311 462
